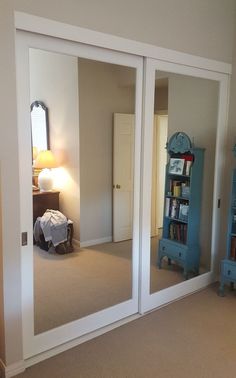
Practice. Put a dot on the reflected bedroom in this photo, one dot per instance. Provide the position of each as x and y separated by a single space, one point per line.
83 130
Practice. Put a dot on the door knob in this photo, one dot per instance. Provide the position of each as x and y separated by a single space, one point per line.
117 186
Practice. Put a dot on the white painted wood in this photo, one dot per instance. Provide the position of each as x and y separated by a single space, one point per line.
73 343
180 290
44 26
150 301
185 64
32 344
123 163
220 166
12 369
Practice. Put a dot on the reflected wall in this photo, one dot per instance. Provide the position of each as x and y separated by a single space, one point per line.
193 109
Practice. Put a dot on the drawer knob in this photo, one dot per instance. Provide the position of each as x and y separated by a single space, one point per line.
180 254
163 248
229 272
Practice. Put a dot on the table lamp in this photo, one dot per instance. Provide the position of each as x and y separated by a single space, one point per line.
45 160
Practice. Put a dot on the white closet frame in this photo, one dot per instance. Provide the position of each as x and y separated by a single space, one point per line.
36 348
150 301
36 344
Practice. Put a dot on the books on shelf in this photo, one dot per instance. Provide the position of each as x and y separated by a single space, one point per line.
177 209
178 232
233 248
183 212
179 188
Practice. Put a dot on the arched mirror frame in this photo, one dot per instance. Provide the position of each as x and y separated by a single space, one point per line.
44 124
32 23
154 300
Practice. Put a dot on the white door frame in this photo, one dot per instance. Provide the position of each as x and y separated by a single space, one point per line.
32 344
43 26
150 301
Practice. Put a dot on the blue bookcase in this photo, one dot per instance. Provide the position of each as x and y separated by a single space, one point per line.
182 209
228 264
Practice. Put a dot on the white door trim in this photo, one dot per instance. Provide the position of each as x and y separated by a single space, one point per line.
201 67
150 301
32 344
44 26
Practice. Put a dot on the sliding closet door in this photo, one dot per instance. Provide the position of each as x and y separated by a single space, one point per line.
68 295
194 102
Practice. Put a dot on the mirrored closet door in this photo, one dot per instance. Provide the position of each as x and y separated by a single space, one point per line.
80 268
184 125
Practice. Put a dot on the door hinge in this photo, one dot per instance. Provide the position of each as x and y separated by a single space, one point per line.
218 203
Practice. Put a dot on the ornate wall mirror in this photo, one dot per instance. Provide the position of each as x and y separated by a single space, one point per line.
39 126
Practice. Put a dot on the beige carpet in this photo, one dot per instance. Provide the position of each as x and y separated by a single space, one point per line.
191 338
69 287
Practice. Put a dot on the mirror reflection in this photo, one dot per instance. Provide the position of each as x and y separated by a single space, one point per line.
189 105
39 126
91 128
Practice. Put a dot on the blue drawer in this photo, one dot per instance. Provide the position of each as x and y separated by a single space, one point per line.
228 269
173 250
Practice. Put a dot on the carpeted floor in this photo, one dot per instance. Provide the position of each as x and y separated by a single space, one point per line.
71 286
193 337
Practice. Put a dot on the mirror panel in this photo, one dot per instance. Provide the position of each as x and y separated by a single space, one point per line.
92 108
39 126
190 105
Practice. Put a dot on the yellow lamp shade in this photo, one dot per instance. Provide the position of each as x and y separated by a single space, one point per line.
45 159
35 152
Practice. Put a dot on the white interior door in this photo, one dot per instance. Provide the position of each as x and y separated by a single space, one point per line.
161 125
159 158
123 148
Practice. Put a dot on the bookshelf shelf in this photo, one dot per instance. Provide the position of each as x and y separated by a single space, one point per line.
177 220
181 220
228 264
178 198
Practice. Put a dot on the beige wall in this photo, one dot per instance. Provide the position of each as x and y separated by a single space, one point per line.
200 27
192 108
204 28
2 330
103 90
54 80
161 99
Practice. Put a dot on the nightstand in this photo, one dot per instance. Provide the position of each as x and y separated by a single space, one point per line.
43 201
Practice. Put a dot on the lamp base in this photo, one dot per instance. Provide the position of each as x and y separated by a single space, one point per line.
45 180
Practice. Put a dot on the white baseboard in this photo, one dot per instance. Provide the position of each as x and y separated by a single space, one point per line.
88 243
11 370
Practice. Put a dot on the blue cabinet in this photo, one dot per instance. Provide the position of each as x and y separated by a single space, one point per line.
228 264
182 209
